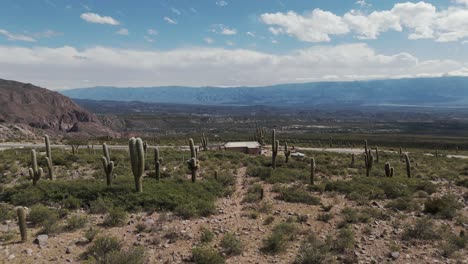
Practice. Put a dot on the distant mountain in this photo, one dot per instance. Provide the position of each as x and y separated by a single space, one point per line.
29 109
442 91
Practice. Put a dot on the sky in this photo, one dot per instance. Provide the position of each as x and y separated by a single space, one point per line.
62 44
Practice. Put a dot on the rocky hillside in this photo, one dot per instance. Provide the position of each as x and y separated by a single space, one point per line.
26 108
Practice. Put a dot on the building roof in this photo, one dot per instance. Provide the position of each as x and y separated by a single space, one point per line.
246 144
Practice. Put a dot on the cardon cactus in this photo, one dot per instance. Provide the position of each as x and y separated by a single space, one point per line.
388 170
49 157
408 165
204 142
22 224
353 160
369 162
216 175
35 173
259 135
193 163
137 158
312 171
377 155
157 164
274 149
287 152
107 164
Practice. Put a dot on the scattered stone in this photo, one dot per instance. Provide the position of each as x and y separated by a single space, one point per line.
68 250
28 251
11 256
395 255
41 240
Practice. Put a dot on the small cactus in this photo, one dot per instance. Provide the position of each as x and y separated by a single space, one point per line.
312 171
369 161
353 160
22 224
377 159
157 163
35 172
274 149
204 142
216 175
408 165
49 158
287 152
137 157
107 164
193 163
388 170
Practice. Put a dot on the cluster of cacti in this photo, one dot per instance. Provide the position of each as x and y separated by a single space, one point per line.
137 158
287 152
388 170
312 171
107 164
157 164
408 165
22 224
193 163
259 135
35 172
204 142
368 159
49 157
274 149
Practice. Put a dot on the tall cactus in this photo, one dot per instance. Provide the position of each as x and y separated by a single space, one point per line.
157 163
137 157
312 171
193 163
377 158
353 160
204 142
369 162
260 135
49 157
35 172
216 175
22 224
274 148
107 164
408 165
287 152
388 170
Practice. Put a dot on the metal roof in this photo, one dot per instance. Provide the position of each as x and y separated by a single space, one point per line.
246 144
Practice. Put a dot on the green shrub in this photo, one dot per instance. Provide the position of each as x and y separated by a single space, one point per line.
324 217
76 222
403 204
7 212
134 255
313 251
41 215
423 229
116 217
296 195
91 233
344 240
277 241
253 194
100 206
206 235
443 207
205 255
72 203
269 220
231 244
102 249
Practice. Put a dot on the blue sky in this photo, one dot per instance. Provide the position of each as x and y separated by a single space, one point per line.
63 44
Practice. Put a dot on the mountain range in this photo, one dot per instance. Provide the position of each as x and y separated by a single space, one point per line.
440 92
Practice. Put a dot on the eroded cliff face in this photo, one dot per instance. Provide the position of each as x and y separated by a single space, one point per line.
42 109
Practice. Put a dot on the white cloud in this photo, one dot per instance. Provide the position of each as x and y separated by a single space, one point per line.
148 39
420 20
463 2
208 40
123 32
221 3
315 26
193 10
223 30
170 20
230 43
176 11
16 37
152 32
68 67
363 3
250 34
47 34
96 18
